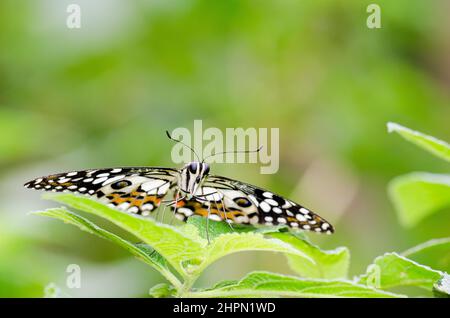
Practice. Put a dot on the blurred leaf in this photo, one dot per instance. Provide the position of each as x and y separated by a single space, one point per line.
174 244
323 264
264 284
434 253
162 290
141 251
433 145
418 195
393 270
53 291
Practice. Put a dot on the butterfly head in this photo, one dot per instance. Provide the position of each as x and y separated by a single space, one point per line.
192 175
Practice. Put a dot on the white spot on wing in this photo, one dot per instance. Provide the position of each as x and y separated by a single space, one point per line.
133 209
264 206
268 195
151 186
304 211
113 179
99 180
271 202
215 217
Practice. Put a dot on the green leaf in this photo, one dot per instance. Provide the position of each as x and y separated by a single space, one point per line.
264 284
433 145
162 291
176 245
393 270
141 251
322 264
229 243
182 247
418 195
434 253
226 240
215 228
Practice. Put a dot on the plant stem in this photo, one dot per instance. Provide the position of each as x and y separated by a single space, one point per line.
185 289
172 279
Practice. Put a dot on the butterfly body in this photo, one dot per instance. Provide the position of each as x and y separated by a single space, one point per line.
193 191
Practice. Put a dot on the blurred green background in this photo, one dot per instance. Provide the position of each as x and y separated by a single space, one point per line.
103 95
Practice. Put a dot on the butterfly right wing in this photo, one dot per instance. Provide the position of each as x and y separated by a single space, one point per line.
225 199
137 190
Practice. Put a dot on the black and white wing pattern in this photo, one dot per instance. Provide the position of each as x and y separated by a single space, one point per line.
224 199
138 190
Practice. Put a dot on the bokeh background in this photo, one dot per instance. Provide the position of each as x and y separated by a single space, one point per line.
103 95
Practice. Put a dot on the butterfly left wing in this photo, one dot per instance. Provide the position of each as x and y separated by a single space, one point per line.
137 190
224 199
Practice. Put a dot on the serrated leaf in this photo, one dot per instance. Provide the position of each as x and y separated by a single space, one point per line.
431 144
434 253
393 270
323 264
418 195
174 244
141 251
264 284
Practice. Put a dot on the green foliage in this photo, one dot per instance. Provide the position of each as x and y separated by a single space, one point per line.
263 284
181 254
418 195
323 264
431 144
392 270
434 253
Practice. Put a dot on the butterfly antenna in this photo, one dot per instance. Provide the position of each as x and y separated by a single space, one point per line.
177 140
235 151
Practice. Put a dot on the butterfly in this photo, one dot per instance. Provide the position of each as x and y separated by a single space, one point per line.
193 191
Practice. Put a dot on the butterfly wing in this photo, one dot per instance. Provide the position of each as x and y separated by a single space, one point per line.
135 189
225 199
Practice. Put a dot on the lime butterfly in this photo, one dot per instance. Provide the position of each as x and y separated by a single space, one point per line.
193 191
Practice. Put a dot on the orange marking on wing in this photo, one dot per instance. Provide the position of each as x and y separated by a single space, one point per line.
139 202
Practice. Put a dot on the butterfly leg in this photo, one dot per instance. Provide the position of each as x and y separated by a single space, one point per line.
161 219
224 212
176 207
207 223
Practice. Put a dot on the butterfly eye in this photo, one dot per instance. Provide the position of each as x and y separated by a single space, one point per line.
120 184
242 202
193 167
206 169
